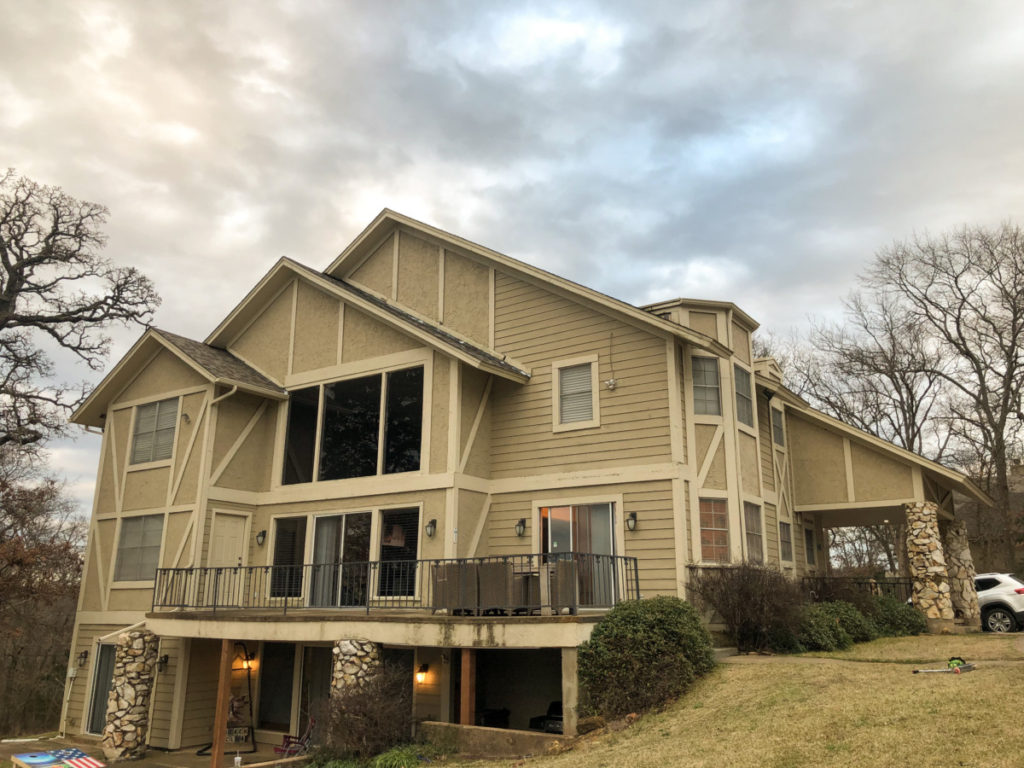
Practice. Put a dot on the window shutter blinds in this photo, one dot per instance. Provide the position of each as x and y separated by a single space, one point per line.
163 443
575 400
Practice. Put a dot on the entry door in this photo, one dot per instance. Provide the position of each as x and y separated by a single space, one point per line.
227 551
101 688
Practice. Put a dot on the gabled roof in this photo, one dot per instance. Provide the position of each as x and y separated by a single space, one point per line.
954 479
387 221
429 332
216 365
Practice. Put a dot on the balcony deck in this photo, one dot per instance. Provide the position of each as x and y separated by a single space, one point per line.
484 588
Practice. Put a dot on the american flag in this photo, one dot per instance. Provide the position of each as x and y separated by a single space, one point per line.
76 758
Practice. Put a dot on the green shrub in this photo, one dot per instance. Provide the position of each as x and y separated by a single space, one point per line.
820 630
405 756
642 653
894 618
759 606
859 627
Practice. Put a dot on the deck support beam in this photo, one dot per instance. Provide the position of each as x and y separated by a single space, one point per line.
220 720
467 700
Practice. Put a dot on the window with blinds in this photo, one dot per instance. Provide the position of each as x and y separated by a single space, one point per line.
138 549
786 541
744 399
153 439
714 531
752 523
575 394
707 399
778 435
809 545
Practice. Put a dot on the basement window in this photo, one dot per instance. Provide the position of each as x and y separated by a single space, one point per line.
370 425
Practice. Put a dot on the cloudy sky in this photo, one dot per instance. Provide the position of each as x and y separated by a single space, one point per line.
748 151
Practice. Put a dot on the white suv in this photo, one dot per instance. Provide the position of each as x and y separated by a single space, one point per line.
1001 599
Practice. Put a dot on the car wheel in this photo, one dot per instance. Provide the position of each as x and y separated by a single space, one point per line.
999 620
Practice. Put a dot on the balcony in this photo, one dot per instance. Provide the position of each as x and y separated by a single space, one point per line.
512 585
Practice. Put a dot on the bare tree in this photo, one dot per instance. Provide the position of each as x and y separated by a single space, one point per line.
40 567
965 291
55 286
879 371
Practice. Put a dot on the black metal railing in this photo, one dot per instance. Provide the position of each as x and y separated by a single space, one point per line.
501 585
823 588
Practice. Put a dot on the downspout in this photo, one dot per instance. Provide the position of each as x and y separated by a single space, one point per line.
225 396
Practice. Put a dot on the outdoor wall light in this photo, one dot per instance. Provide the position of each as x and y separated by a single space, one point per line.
83 657
421 673
431 528
521 527
631 521
261 537
161 663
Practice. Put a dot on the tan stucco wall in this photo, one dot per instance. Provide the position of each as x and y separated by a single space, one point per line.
377 272
877 477
418 271
819 464
316 329
466 302
705 322
266 343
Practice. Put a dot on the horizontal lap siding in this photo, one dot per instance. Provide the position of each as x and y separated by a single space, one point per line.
78 701
201 693
771 534
536 328
652 543
161 712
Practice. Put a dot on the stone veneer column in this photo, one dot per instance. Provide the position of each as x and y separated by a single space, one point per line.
124 736
960 568
355 661
928 565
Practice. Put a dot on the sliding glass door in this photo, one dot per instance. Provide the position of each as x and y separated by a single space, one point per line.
341 549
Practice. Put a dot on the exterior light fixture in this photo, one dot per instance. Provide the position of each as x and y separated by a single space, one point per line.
521 527
83 657
161 663
431 528
261 537
421 673
631 521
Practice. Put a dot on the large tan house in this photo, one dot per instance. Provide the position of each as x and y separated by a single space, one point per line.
433 455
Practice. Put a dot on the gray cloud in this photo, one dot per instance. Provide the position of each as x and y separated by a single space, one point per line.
754 152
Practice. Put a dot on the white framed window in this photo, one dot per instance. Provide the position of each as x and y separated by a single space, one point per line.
786 541
153 435
809 545
755 536
707 387
714 531
138 548
744 398
778 432
574 391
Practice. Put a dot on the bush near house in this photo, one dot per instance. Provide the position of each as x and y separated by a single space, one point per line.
763 610
366 721
641 654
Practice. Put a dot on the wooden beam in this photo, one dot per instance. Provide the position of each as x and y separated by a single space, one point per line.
467 708
220 721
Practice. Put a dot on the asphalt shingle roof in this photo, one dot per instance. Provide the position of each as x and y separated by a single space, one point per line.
220 363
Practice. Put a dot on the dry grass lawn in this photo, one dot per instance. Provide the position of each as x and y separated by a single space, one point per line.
806 712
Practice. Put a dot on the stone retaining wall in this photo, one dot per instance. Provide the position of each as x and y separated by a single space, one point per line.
124 736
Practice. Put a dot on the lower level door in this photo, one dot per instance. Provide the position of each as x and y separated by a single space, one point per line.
101 688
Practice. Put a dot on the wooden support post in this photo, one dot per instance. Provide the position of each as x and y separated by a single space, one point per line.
467 709
220 720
